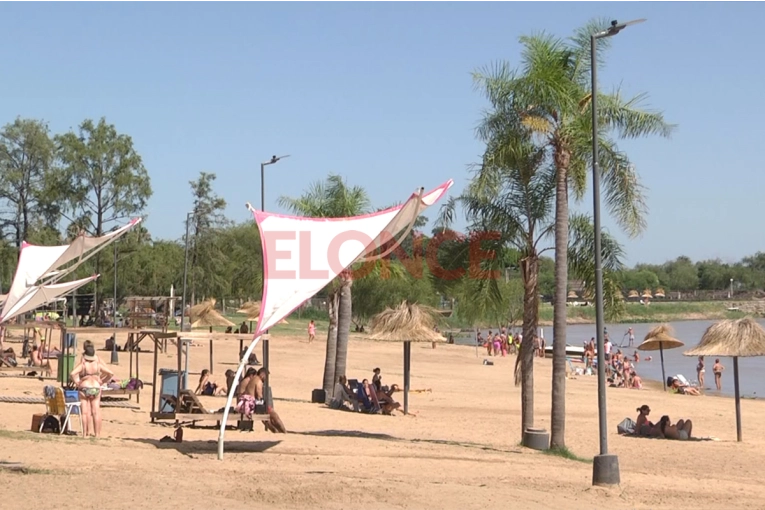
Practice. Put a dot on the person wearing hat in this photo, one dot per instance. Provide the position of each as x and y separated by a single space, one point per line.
88 376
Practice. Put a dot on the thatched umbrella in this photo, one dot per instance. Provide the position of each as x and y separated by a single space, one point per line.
647 294
204 314
572 294
734 338
658 339
660 293
633 294
406 323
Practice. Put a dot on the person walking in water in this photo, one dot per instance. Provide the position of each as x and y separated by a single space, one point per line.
700 372
631 334
717 369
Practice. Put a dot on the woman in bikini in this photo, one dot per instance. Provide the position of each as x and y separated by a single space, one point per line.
700 372
643 425
680 431
88 376
717 369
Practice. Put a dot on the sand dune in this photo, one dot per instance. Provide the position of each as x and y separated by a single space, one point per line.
460 451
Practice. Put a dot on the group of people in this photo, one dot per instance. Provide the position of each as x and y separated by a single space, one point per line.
372 397
620 368
664 429
717 370
501 343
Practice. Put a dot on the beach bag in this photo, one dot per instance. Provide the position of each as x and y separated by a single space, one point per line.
627 426
51 425
134 384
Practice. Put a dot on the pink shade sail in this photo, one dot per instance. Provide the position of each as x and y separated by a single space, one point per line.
42 264
302 255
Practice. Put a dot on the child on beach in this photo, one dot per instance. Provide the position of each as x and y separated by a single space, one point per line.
717 369
311 331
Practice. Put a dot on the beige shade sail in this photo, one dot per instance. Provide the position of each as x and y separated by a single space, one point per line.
408 322
660 337
739 338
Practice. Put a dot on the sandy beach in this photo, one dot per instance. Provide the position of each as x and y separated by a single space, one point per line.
459 451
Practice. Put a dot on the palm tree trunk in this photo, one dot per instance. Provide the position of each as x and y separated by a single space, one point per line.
530 272
558 414
345 315
329 360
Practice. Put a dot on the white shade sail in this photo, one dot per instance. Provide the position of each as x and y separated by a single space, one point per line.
302 255
42 264
43 294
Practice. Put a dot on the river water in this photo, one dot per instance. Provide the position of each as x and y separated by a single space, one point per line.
752 384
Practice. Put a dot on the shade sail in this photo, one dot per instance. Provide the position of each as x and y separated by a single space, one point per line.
302 255
41 294
42 264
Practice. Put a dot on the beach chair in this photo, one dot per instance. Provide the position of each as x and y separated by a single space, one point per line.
367 405
191 404
58 406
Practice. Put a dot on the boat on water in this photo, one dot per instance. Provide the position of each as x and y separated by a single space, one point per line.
571 351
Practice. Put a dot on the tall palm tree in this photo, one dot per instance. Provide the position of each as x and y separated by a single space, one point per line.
512 195
550 92
333 198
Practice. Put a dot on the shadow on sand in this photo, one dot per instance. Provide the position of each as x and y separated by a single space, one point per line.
209 446
388 437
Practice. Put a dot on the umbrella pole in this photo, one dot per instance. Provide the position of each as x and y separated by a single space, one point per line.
663 377
738 399
407 366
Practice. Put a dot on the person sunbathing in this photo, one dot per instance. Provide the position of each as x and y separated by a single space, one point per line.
637 382
681 388
681 431
342 395
206 387
35 357
643 425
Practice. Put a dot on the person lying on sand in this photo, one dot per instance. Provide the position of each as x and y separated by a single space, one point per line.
680 431
682 389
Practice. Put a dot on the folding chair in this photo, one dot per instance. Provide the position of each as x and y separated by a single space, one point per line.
59 407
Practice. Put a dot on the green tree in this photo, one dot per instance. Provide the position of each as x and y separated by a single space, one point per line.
638 279
208 259
27 154
333 198
550 91
103 180
683 275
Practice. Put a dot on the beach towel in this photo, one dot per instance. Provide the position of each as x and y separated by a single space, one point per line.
627 426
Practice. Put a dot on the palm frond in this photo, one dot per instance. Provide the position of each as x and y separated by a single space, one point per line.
629 119
624 195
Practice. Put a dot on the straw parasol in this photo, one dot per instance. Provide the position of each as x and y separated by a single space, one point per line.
205 315
572 294
647 294
660 293
250 308
633 294
734 338
406 323
658 339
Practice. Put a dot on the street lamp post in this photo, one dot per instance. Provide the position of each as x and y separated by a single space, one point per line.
605 467
185 272
274 159
730 292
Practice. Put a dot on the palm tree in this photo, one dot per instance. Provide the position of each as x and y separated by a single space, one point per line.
333 198
549 92
512 195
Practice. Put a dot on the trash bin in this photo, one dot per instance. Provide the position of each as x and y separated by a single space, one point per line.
65 367
169 388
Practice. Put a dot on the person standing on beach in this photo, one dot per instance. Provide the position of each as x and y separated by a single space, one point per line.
311 331
717 369
607 349
700 372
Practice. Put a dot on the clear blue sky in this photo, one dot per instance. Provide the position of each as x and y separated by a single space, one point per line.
382 93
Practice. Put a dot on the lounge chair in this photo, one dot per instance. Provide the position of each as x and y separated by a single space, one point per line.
367 405
58 406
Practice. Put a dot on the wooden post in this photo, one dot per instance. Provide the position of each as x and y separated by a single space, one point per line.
211 356
407 367
738 398
180 374
154 385
137 372
663 377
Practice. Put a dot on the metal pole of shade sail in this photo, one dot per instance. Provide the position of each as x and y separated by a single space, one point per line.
738 398
407 368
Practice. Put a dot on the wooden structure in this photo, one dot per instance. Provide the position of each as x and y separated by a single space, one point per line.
31 330
187 407
149 311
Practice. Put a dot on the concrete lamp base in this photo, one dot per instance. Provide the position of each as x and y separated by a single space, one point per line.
605 470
